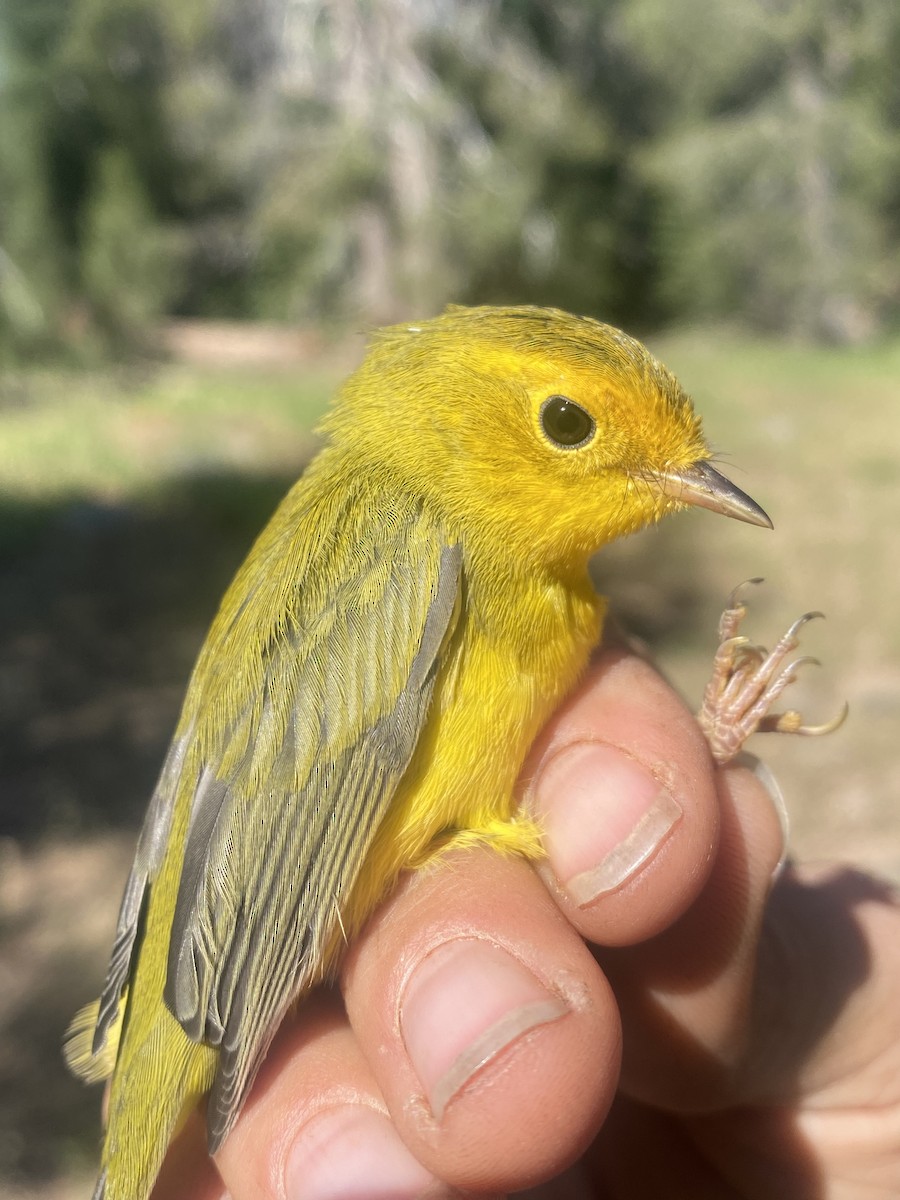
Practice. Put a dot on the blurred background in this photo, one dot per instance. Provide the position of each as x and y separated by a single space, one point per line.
204 205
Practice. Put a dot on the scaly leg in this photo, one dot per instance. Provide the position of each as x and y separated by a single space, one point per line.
747 680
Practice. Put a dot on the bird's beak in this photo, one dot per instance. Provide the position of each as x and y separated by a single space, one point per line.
703 486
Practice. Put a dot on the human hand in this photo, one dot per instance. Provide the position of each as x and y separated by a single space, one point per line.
731 1038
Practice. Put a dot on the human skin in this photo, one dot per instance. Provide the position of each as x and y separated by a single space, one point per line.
664 1012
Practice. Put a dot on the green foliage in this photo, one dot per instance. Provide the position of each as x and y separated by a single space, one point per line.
776 160
127 259
29 255
359 160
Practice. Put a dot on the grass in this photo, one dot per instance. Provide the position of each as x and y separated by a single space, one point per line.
127 499
117 435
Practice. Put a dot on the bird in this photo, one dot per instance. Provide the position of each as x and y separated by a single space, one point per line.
416 608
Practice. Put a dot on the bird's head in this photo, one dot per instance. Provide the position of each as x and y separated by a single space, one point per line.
541 432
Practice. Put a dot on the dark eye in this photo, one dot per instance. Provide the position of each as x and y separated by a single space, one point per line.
566 423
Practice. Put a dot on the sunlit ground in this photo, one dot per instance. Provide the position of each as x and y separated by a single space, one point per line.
128 497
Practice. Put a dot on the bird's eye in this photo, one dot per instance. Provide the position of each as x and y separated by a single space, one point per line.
566 423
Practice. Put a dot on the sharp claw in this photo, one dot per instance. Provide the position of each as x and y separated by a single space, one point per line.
747 661
787 675
756 651
829 726
734 600
805 660
800 622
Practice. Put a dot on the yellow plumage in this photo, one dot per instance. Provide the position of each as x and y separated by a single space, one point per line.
413 612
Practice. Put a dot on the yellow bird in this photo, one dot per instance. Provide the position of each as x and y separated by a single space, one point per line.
414 611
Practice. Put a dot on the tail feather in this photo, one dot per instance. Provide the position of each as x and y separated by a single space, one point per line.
78 1050
158 1081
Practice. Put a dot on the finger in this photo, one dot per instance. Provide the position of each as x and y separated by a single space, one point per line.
315 1125
826 1020
643 1153
814 1087
188 1172
687 995
487 1023
823 1056
622 782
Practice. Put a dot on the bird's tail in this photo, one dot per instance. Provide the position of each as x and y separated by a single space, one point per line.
78 1044
159 1077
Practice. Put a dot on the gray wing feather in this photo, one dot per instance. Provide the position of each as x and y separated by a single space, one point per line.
249 928
148 856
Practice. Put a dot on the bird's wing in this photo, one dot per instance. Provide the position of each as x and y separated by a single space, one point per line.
281 821
148 857
286 787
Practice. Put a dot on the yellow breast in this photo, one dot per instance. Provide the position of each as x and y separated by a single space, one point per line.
498 684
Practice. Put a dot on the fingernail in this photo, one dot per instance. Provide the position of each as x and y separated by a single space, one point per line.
604 817
767 778
464 1004
354 1153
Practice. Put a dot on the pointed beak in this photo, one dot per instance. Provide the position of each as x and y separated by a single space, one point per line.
704 487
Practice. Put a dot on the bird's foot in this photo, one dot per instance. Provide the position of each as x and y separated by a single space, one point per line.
747 680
